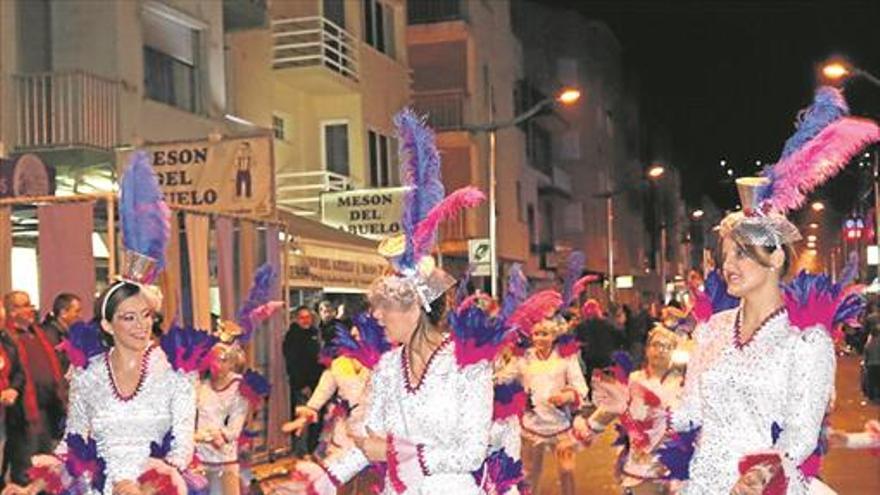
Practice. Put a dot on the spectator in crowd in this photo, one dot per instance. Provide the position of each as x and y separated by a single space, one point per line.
35 421
599 339
11 384
872 364
66 310
327 321
301 349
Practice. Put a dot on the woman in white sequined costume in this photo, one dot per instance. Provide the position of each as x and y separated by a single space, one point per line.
222 414
555 384
641 471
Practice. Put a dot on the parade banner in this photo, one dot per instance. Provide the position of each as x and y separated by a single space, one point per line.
371 213
227 176
321 266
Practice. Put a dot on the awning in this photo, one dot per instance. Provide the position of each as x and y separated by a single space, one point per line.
323 257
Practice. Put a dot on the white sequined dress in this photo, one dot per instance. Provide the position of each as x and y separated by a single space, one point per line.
741 395
222 411
449 412
123 427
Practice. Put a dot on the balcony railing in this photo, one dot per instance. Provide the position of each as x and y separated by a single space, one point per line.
445 109
428 11
66 109
300 192
311 41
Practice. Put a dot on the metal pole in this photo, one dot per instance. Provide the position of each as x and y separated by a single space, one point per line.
609 213
493 197
663 261
877 204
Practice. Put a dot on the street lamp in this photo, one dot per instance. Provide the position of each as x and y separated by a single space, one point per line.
566 96
656 171
837 70
817 206
654 174
697 214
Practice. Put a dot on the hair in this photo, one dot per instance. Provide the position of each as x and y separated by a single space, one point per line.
112 297
62 302
761 254
8 297
660 332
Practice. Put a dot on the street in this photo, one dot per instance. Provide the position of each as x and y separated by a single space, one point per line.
846 471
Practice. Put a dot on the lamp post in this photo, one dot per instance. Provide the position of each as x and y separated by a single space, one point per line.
654 174
837 70
567 96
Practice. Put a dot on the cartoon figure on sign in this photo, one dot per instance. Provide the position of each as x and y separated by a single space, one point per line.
243 162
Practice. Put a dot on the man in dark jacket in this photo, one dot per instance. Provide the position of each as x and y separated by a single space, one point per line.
598 337
66 310
12 382
301 348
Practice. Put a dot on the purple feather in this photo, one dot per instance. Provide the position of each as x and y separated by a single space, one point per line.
161 449
187 348
622 366
260 293
142 210
477 335
499 473
775 431
83 459
370 345
517 291
461 292
420 172
815 300
510 400
716 289
254 387
851 269
676 453
82 343
828 106
567 345
574 269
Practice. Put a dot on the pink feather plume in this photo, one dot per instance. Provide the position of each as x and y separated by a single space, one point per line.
474 299
581 285
452 205
819 160
264 311
534 309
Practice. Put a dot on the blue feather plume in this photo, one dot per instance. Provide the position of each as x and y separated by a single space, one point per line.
716 289
420 172
368 348
574 269
461 292
187 349
256 383
851 269
477 335
142 210
160 450
517 291
676 454
260 293
499 473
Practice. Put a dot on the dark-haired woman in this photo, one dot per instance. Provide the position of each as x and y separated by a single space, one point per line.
126 398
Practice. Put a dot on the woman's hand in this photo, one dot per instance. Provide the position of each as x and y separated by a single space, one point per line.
374 447
304 416
562 398
13 489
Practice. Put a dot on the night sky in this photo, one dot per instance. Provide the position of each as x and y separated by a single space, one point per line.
727 78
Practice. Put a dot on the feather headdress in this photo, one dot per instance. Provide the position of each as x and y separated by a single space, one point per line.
145 220
534 309
517 291
258 306
815 300
573 270
367 349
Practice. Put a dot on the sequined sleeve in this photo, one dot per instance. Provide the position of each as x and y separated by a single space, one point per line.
183 417
810 384
323 392
465 450
238 412
687 415
78 407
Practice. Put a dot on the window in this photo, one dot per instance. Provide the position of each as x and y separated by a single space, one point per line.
336 148
171 61
278 127
383 160
533 234
379 26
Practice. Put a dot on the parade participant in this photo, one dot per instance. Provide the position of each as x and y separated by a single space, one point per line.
429 401
869 438
651 391
132 403
762 374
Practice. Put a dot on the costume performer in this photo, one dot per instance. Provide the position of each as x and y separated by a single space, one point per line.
761 376
132 403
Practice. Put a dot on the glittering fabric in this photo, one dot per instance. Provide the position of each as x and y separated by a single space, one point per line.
221 411
736 391
449 413
123 427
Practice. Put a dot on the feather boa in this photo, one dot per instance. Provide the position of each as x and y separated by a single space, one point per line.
517 291
534 309
254 387
499 473
676 453
187 349
567 345
259 296
510 400
713 298
143 213
424 235
815 300
573 270
477 335
420 172
82 343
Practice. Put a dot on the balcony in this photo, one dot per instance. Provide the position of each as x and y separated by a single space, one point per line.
445 109
66 110
430 11
300 192
319 55
559 183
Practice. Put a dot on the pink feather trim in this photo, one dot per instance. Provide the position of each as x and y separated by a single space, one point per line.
452 205
568 348
702 309
819 160
534 309
515 407
581 285
263 312
818 310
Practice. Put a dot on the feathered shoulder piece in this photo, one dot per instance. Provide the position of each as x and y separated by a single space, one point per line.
573 270
510 400
254 387
567 345
676 453
83 342
368 348
815 300
187 349
477 335
259 304
713 298
80 468
517 291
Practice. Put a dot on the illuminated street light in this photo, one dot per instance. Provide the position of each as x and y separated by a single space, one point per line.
835 70
811 238
811 245
569 96
838 70
814 225
697 214
817 206
656 171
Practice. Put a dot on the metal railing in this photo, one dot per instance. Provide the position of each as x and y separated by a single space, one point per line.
311 41
445 109
428 11
66 109
300 192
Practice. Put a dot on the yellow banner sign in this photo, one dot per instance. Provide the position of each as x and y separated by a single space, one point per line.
227 176
370 213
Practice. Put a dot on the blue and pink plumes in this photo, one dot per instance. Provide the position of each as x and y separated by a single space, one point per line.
537 307
83 461
83 342
187 349
621 367
567 345
676 453
143 213
499 473
254 387
477 335
368 348
259 304
510 400
713 298
816 300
